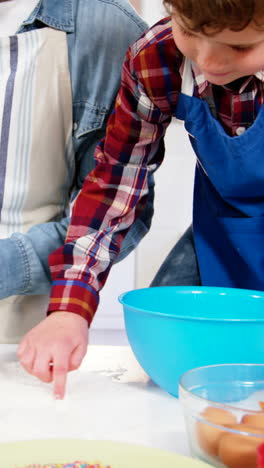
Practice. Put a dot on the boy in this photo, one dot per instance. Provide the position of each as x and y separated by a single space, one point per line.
60 64
203 65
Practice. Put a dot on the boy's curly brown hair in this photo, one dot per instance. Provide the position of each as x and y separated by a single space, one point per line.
216 15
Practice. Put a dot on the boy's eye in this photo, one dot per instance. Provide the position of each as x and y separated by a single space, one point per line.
242 49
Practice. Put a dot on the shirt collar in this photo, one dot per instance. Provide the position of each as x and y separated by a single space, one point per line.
202 83
57 14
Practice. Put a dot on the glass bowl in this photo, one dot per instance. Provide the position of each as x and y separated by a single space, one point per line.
223 407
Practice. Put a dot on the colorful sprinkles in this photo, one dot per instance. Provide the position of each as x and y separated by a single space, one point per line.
77 464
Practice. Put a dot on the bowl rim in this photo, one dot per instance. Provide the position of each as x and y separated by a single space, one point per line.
226 406
200 290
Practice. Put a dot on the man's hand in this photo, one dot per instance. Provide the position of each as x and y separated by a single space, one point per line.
54 347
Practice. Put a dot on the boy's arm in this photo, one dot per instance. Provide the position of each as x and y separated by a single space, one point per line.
112 198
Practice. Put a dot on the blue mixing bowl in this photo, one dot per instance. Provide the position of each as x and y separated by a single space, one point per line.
177 328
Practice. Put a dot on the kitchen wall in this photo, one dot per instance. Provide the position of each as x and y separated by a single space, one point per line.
173 202
151 10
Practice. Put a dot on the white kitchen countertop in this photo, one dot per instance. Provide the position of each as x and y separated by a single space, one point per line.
110 397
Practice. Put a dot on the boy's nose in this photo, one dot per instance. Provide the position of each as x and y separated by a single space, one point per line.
212 57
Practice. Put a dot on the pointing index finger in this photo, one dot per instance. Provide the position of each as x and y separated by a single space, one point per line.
59 373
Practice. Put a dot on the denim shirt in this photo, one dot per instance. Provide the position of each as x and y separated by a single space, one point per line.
98 35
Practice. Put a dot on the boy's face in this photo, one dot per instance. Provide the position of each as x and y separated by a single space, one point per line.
225 56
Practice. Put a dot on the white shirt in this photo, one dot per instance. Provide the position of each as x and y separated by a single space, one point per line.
13 13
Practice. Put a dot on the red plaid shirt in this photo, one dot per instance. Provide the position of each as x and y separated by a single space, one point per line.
115 192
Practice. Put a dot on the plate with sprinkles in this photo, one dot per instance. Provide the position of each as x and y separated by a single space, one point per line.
73 453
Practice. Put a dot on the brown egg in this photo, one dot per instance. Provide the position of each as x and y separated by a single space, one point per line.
247 428
256 419
237 451
208 436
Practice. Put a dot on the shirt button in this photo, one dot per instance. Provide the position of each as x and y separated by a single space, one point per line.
240 130
75 126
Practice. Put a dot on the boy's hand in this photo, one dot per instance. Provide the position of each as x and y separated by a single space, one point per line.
54 347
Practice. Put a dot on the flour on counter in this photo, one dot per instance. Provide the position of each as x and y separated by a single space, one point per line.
108 398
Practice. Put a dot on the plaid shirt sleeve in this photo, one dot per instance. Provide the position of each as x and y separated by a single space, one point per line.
112 196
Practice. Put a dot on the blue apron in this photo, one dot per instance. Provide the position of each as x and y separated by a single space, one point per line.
228 209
